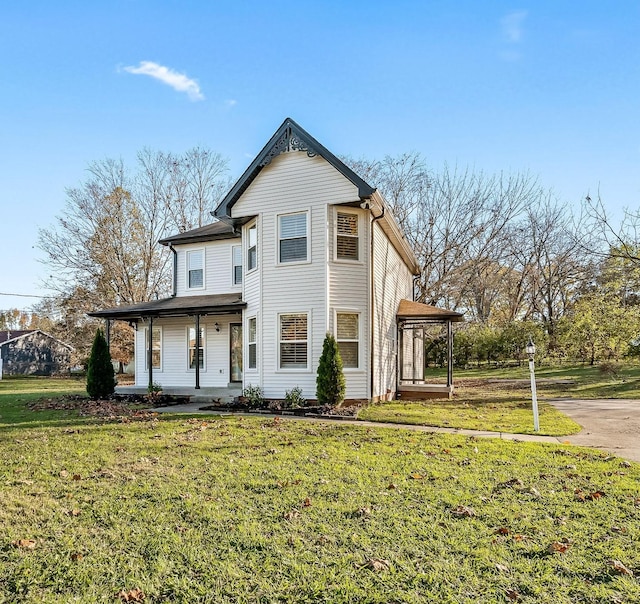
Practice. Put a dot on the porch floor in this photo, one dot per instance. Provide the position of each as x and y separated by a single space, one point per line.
204 395
424 391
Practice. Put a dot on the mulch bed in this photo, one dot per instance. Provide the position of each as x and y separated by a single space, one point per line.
123 409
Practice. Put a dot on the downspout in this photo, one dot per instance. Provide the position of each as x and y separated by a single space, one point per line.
371 304
175 270
413 289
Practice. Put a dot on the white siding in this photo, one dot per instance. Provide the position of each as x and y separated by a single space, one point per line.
175 371
218 268
393 281
349 286
292 182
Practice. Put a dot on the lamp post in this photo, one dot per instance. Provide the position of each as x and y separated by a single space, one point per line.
531 351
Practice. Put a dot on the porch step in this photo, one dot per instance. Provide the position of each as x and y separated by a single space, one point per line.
410 392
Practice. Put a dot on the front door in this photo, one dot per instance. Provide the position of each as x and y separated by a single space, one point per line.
236 352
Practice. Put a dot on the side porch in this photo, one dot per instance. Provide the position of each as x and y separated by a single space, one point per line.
414 319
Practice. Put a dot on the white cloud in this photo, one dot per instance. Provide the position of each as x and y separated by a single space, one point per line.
177 81
231 102
512 25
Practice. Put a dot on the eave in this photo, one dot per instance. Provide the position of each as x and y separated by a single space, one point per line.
179 306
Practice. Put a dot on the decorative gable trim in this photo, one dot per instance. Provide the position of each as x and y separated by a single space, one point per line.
288 141
289 137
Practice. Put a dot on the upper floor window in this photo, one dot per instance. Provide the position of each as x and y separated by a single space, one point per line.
347 240
195 269
293 341
292 234
348 332
236 253
252 247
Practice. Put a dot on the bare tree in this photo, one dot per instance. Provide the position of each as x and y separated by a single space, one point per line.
621 240
552 262
103 249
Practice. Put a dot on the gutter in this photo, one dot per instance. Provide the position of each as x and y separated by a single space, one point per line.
371 288
175 270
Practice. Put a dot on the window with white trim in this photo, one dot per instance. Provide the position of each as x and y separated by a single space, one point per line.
292 237
195 269
348 338
191 348
293 341
252 247
236 256
252 344
156 351
347 239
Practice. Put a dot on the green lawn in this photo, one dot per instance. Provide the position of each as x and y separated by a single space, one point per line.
500 399
513 415
261 510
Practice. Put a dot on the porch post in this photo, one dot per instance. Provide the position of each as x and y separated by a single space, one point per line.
424 354
150 354
400 353
449 354
414 370
197 352
107 333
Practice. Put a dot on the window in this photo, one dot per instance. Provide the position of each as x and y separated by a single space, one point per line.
191 348
236 254
293 341
195 269
347 242
252 249
293 237
156 352
347 330
252 343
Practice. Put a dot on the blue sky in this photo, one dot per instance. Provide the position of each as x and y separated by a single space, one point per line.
550 87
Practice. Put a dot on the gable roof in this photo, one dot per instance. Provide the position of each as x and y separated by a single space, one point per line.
209 232
288 137
11 335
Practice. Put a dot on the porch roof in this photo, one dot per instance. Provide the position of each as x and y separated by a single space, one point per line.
179 306
416 311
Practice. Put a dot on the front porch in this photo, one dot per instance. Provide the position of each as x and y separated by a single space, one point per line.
188 345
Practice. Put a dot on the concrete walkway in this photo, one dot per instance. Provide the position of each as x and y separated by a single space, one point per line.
194 408
612 425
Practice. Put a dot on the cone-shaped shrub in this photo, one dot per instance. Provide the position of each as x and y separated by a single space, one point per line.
101 381
330 384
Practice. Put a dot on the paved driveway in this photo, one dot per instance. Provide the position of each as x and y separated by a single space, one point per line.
609 424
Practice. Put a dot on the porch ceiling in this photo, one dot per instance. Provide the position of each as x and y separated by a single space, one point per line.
179 306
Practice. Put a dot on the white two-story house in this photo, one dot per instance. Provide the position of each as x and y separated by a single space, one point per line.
301 246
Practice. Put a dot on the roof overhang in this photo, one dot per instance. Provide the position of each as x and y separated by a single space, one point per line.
392 230
416 311
210 232
179 306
